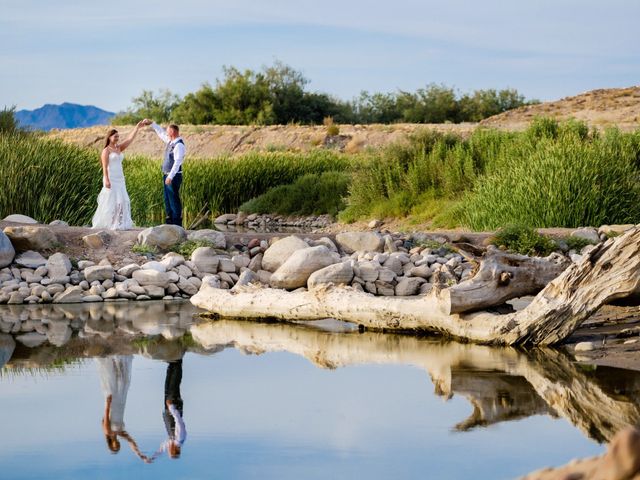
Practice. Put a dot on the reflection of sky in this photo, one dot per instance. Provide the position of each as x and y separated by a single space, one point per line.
269 416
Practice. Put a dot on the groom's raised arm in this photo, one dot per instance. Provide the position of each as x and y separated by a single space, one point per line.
160 132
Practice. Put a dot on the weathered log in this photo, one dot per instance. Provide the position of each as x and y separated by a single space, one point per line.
609 271
501 277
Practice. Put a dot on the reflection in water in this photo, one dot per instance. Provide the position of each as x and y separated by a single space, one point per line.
501 384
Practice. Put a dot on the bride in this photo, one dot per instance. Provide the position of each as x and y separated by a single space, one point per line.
114 208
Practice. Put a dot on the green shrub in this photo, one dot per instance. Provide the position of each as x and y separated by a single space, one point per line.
186 248
524 240
311 194
576 243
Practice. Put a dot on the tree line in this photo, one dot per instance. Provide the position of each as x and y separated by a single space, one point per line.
277 94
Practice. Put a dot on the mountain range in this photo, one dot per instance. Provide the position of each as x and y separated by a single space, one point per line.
66 115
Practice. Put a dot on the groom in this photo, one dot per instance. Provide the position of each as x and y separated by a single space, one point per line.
171 170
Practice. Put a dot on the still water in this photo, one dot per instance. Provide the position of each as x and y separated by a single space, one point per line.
272 401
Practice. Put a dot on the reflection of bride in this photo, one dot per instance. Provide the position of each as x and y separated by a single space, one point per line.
115 377
114 207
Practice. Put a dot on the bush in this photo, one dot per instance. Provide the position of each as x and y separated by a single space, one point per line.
311 194
524 240
186 248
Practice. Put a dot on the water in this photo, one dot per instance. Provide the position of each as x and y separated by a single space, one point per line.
274 401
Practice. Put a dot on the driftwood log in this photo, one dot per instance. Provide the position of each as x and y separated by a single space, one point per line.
609 271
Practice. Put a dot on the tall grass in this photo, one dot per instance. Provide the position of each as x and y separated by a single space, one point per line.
566 180
311 194
552 174
49 180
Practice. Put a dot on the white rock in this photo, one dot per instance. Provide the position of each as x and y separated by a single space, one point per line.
205 259
70 295
409 286
98 273
226 265
338 274
584 346
172 260
58 265
278 253
82 264
32 339
31 238
151 277
18 218
588 233
157 266
295 271
350 242
128 270
162 236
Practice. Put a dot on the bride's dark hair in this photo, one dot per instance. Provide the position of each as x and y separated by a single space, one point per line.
111 132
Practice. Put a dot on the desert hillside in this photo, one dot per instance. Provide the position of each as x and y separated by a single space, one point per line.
598 108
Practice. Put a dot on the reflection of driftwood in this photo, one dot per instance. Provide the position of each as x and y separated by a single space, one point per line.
519 384
609 271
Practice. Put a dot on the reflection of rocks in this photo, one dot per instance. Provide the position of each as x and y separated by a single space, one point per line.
7 345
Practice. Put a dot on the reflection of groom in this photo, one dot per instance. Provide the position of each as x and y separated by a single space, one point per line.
171 170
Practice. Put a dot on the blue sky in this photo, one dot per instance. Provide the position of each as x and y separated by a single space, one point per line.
105 53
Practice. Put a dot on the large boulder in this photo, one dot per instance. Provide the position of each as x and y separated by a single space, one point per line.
587 233
17 218
338 274
350 242
30 259
295 272
205 259
280 251
151 277
216 238
31 238
7 252
58 265
162 236
70 295
99 273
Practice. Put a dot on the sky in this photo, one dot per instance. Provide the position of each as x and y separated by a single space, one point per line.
106 53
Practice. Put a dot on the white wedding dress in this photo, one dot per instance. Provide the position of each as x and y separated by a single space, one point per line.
114 208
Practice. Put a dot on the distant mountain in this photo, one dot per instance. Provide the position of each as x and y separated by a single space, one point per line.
67 115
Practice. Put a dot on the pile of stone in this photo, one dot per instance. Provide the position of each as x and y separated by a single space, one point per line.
367 261
267 222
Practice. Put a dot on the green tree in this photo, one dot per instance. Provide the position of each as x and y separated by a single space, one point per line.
148 105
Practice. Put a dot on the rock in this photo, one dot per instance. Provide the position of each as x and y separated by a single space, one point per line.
212 281
154 291
367 271
278 253
186 287
395 265
226 265
240 261
97 240
99 273
55 288
409 286
426 288
151 277
225 218
82 264
16 298
30 259
205 259
374 224
58 265
216 238
256 263
384 288
157 266
31 238
17 218
584 346
184 271
338 274
350 242
588 233
70 295
389 244
128 270
245 278
31 339
264 276
58 223
295 271
327 242
195 281
423 271
162 236
111 292
172 260
7 252
92 298
143 297
386 275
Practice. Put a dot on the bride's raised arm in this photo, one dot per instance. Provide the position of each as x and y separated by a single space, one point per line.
132 135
